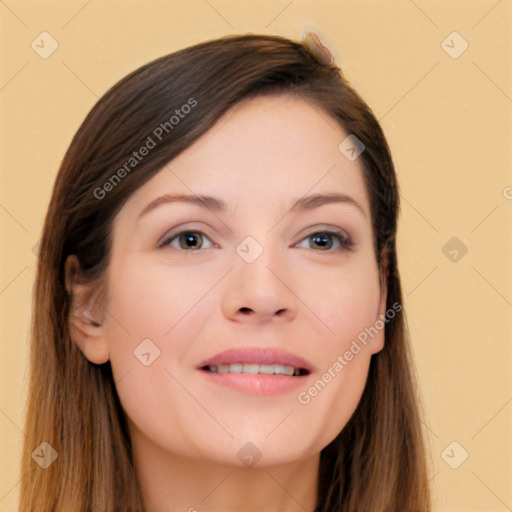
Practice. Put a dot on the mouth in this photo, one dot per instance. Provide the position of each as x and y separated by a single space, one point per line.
264 371
257 360
254 369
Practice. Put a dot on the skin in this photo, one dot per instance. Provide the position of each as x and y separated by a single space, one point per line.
185 431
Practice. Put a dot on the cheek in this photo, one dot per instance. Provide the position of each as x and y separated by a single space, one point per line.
347 304
149 301
157 310
154 318
347 307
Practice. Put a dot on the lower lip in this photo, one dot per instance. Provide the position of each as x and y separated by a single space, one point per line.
256 383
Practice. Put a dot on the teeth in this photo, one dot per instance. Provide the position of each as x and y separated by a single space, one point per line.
234 368
268 369
249 368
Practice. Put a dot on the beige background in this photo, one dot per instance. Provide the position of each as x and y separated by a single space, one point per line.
448 122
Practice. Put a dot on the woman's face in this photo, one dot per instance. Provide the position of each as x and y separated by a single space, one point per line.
257 274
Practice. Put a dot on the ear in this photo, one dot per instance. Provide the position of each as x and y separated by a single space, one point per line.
86 315
377 343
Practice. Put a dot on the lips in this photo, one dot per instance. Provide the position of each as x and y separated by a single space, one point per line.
258 355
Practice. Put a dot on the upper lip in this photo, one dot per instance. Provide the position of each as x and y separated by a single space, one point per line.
258 355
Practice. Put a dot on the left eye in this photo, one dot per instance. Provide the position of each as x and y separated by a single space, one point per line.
320 238
191 240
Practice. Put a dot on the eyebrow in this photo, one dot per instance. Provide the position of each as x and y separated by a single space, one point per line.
215 204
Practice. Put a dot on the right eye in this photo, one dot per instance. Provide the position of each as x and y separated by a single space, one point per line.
188 240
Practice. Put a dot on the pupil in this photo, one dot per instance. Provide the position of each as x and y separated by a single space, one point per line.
189 238
321 236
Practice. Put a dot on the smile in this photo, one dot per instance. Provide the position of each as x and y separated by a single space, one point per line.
266 369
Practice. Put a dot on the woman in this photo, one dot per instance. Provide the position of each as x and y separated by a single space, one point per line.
218 319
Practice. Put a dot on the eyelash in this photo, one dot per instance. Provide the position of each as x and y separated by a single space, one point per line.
344 241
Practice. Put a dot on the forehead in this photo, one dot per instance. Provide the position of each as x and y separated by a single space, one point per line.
263 152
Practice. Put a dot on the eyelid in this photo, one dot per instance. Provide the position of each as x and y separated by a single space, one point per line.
323 228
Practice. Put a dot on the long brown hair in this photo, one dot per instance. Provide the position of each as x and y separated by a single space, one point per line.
378 461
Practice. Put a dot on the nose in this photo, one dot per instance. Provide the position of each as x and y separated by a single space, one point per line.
259 292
